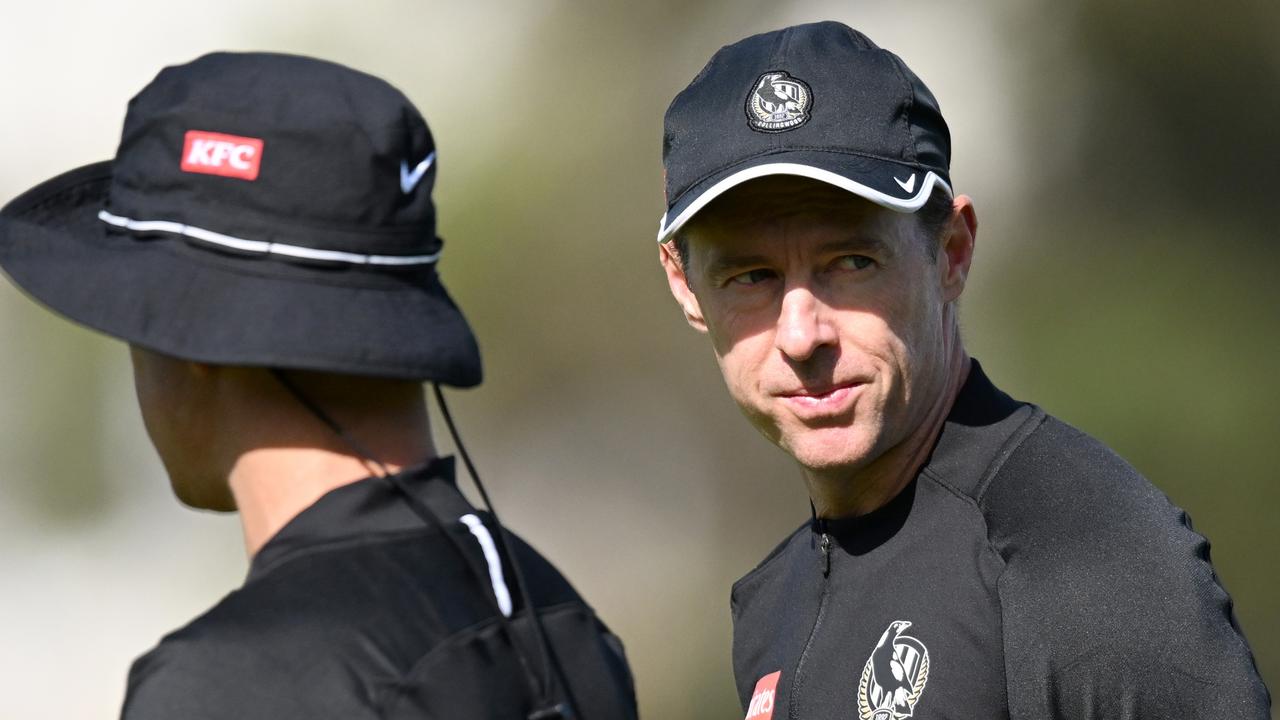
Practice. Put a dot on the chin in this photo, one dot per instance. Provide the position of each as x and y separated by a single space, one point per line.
201 496
830 449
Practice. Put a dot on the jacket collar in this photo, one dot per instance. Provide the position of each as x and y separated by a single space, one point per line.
975 437
362 509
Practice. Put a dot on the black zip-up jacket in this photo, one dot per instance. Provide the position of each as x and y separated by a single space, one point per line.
358 610
1026 573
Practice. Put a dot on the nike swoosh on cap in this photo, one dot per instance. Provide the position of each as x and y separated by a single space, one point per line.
410 179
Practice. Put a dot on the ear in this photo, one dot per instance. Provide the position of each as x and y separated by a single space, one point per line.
956 252
679 285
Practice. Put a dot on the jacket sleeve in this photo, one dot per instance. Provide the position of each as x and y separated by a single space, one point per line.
177 682
1110 605
222 681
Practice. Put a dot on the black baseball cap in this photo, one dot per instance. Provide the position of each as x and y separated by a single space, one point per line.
820 101
262 210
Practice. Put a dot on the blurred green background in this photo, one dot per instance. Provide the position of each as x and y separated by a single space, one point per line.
1120 155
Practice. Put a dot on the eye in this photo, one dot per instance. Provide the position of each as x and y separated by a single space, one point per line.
752 277
854 262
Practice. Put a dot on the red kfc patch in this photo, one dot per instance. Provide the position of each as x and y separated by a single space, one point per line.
761 707
226 155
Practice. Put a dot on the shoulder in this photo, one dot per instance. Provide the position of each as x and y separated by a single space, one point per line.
1107 587
1063 493
320 634
478 671
547 585
217 669
774 564
351 631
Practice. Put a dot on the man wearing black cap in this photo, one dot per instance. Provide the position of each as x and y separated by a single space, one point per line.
265 242
969 555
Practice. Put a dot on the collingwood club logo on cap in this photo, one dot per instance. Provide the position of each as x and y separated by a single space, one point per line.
778 102
894 676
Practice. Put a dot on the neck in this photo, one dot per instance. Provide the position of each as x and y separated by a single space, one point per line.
871 487
272 484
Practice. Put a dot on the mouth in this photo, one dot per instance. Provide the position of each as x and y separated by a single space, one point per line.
822 402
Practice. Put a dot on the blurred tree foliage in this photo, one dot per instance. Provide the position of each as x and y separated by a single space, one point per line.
1140 302
1126 287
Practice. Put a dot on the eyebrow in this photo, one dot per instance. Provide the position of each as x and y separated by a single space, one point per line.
723 262
855 244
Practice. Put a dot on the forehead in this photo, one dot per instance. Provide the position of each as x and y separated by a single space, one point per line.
777 208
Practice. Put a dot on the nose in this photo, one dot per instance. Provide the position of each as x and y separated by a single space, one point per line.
804 325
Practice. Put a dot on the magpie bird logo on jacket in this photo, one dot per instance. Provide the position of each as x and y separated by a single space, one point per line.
778 102
894 676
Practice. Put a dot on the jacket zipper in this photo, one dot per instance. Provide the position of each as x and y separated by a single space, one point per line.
824 545
826 554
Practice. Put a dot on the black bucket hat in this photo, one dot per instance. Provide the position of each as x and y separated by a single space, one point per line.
820 101
262 210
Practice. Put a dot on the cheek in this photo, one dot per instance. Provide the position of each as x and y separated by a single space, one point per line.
744 346
741 338
875 341
742 360
159 385
155 416
906 337
145 386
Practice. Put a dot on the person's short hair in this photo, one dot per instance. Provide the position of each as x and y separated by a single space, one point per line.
933 216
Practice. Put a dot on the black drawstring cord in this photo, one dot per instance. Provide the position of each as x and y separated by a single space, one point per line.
556 710
365 456
430 518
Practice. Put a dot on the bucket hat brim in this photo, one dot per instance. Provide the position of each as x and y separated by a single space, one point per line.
182 298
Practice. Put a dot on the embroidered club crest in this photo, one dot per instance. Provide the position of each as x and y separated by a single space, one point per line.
894 676
778 102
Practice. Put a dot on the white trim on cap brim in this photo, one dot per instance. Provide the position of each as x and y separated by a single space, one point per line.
910 204
260 246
